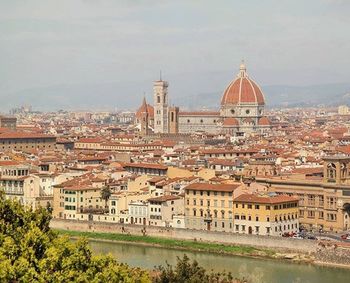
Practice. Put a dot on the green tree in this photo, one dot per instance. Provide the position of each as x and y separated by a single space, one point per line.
31 252
186 271
106 194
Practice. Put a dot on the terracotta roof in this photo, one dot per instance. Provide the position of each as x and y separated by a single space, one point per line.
242 90
164 198
264 121
146 165
230 122
90 140
252 198
24 135
212 187
145 108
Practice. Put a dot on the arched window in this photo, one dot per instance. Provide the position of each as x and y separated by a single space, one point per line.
158 98
331 171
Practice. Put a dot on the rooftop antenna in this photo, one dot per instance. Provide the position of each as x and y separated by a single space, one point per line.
160 75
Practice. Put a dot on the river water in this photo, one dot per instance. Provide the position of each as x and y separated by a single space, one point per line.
255 270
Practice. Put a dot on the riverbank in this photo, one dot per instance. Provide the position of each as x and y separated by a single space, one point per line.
187 245
328 253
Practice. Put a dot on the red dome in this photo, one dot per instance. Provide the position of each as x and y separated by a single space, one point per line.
264 121
145 108
243 90
229 122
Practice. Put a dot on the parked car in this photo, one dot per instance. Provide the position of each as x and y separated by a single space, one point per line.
345 236
297 237
311 237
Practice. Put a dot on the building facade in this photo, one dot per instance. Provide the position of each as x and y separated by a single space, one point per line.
323 204
271 215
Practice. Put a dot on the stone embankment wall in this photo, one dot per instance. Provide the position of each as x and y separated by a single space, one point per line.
285 244
333 252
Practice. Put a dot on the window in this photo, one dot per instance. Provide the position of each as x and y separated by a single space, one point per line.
222 203
320 214
331 217
257 206
249 206
247 111
311 214
267 207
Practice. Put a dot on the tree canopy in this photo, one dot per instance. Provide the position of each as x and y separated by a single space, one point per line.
31 252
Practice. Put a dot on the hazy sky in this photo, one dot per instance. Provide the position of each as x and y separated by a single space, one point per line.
45 43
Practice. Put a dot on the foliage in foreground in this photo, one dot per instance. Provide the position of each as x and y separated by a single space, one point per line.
31 252
190 272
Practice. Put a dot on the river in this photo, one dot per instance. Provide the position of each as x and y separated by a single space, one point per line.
255 270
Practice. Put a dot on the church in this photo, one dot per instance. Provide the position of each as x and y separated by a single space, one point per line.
241 112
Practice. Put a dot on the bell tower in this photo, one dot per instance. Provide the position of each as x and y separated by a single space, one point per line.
173 120
144 130
160 92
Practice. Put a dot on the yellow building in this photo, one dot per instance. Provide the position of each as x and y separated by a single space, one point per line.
209 206
323 203
78 198
265 214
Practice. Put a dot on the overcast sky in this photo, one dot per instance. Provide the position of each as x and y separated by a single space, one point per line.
45 43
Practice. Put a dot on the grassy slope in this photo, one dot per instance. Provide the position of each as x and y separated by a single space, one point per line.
171 243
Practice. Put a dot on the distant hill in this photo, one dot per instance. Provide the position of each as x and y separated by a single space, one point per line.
123 96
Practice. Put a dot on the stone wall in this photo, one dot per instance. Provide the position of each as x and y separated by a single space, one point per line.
285 244
333 252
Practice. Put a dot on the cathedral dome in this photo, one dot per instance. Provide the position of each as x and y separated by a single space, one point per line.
242 90
145 108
